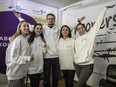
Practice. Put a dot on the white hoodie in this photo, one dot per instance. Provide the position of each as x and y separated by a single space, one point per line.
84 44
37 48
66 53
51 36
17 55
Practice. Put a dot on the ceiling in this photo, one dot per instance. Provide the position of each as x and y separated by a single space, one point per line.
56 3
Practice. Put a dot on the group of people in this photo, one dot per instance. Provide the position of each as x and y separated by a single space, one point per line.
47 49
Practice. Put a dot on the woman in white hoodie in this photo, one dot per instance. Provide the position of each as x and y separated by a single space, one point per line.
66 54
17 56
84 44
37 44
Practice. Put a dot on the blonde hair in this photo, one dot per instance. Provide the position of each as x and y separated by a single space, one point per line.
17 33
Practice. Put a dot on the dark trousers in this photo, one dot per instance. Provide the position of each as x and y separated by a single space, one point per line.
51 63
34 79
83 73
69 77
17 83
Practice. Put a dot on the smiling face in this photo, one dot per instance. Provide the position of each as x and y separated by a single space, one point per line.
24 28
80 29
65 32
38 30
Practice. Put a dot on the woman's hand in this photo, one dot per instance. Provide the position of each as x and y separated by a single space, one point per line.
45 45
17 14
81 19
31 57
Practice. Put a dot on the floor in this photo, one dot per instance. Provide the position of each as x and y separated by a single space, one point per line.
3 82
60 84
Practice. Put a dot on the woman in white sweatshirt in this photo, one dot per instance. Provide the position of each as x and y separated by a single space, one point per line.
84 44
37 44
17 56
66 54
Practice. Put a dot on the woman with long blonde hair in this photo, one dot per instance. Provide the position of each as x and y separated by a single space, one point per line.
18 56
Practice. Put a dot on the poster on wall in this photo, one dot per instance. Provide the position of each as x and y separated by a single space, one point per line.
30 11
105 43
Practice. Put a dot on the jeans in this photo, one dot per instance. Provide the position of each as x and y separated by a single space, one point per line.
17 83
34 79
51 63
69 77
83 73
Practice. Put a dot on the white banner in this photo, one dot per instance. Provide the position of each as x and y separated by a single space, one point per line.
35 10
105 44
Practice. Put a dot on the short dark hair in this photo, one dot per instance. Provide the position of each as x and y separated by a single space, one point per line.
50 14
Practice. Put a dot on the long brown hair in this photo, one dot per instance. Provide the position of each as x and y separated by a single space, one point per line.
32 35
69 35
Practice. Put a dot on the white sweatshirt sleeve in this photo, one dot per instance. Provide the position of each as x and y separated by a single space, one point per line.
16 51
98 23
20 19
